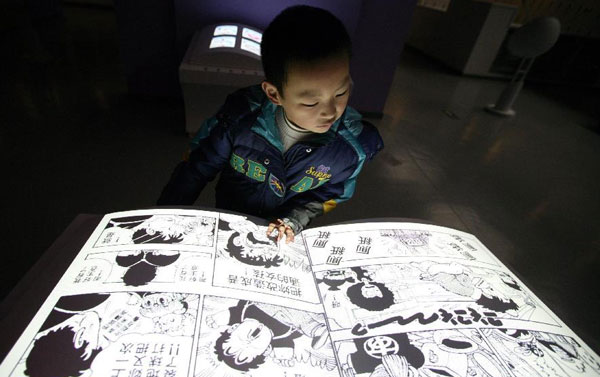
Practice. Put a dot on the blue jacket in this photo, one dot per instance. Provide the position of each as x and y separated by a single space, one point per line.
242 142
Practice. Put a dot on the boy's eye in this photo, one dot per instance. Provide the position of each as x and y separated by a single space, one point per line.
310 105
341 94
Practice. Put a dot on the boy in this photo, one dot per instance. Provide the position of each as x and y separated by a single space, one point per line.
288 149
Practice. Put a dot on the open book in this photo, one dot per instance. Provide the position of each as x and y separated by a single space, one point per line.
181 293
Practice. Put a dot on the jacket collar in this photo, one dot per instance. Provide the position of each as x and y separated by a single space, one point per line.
265 126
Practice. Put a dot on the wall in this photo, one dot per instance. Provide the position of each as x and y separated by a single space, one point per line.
155 34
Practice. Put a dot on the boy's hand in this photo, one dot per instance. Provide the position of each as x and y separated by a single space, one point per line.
282 229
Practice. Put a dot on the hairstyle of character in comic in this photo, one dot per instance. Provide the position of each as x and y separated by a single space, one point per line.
142 265
508 280
170 312
253 334
335 278
71 358
248 250
496 304
71 344
373 296
243 354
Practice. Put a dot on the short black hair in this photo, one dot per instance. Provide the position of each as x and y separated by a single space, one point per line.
139 274
301 34
230 360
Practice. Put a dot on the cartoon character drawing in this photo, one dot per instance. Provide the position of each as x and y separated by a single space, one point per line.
249 244
334 279
70 333
535 353
454 353
567 353
503 297
369 294
253 332
80 327
403 242
142 264
386 356
162 229
354 294
171 313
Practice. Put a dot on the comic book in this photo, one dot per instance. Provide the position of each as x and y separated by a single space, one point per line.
189 293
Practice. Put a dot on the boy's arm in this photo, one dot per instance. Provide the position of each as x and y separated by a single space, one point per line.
211 151
300 212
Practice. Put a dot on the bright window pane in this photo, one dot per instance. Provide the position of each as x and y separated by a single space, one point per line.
226 30
218 42
251 34
250 46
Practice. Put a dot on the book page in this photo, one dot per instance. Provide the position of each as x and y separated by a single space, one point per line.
165 293
404 299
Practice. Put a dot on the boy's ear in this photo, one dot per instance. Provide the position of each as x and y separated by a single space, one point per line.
271 92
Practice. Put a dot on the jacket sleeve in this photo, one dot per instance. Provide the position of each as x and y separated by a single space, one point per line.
211 148
316 202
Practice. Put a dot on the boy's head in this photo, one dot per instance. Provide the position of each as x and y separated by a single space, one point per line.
306 55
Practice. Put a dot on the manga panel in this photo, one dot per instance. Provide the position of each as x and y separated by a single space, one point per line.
424 293
465 353
536 353
118 334
140 267
247 259
251 338
158 228
354 242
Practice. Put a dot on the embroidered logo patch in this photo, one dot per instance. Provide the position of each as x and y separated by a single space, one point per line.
321 172
276 185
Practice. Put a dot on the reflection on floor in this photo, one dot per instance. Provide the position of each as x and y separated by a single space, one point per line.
74 142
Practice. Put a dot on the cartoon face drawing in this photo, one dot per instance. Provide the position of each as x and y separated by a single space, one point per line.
158 304
372 296
247 340
254 250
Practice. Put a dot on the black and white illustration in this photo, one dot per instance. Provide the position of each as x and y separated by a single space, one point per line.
182 293
451 353
248 338
114 334
247 259
140 267
159 229
337 244
536 354
424 294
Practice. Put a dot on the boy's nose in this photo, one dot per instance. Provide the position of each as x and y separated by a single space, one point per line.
329 110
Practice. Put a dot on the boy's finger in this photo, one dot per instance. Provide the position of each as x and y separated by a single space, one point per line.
281 232
290 235
271 228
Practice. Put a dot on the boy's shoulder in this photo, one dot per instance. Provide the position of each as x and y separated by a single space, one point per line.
243 102
363 133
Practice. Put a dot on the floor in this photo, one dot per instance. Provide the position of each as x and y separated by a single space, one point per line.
72 141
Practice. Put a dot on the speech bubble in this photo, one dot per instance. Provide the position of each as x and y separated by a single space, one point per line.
144 354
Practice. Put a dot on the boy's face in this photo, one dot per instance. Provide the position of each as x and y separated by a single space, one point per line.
316 93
